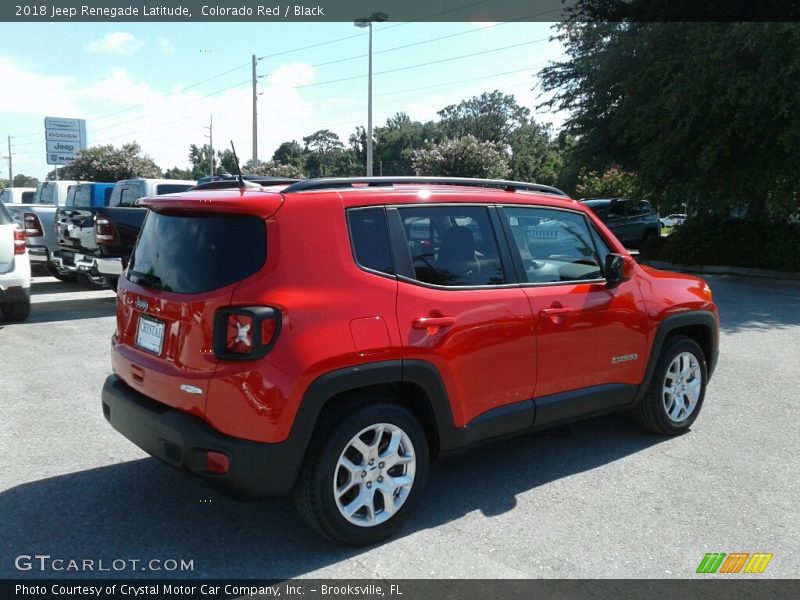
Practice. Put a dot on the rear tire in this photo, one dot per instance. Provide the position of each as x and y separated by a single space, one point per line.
17 311
363 474
677 389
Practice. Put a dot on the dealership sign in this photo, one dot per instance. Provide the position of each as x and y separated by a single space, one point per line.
64 137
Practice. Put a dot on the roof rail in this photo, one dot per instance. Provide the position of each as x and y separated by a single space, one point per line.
251 181
348 182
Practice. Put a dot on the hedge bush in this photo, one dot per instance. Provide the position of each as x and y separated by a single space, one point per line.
760 245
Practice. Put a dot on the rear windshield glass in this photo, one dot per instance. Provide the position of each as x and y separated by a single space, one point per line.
190 254
171 188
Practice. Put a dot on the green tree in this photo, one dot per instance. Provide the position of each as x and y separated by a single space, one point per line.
534 155
614 183
701 112
227 162
273 169
396 141
289 153
492 116
107 163
200 158
177 173
463 157
321 150
25 181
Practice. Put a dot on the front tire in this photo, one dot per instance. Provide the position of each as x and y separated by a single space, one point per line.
677 390
363 476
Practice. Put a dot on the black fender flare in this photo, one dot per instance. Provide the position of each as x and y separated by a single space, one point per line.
702 318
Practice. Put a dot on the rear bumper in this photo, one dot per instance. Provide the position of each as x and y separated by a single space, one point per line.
67 262
39 254
257 470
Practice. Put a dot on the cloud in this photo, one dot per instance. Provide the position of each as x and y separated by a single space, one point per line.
118 42
166 45
292 75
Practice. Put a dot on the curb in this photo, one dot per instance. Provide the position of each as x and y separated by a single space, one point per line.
722 270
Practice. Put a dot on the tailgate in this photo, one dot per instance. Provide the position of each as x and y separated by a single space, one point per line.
6 246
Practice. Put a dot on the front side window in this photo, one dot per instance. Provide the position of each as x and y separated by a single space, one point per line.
554 245
83 196
452 245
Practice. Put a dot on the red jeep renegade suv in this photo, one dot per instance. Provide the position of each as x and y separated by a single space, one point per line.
331 337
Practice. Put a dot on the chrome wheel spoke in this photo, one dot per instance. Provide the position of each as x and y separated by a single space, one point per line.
366 493
682 386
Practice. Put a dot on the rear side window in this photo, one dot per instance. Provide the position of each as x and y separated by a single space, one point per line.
369 236
195 253
27 197
107 196
452 245
171 188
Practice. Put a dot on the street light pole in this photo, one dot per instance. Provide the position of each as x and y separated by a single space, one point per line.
367 22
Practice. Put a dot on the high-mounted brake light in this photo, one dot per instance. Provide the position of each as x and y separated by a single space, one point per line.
33 226
105 231
245 333
19 241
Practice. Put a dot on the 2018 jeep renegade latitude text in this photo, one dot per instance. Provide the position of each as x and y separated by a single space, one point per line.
330 338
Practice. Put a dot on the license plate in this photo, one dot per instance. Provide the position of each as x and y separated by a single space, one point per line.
150 334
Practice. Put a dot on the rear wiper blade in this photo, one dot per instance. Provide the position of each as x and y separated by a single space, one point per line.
148 280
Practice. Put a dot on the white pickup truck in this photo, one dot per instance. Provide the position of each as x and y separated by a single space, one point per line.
38 217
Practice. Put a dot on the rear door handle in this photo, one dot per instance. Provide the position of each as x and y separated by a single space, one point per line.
432 324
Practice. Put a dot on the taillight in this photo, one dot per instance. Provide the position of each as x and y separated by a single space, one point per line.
246 332
105 232
33 226
19 241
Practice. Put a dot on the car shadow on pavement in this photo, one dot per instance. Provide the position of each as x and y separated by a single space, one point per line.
54 286
142 509
71 310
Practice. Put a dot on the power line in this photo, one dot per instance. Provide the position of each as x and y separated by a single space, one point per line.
425 64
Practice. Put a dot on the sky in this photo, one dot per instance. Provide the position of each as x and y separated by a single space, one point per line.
161 84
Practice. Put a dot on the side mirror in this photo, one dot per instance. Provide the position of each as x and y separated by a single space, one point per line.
617 268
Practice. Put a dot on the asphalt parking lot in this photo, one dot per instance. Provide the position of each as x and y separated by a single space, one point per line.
598 499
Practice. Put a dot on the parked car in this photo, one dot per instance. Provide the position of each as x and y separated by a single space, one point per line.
95 241
673 220
17 195
15 270
37 218
632 221
332 337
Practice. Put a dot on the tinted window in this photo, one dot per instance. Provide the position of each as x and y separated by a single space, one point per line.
27 197
107 196
47 193
452 245
171 188
197 253
370 238
554 245
83 196
128 195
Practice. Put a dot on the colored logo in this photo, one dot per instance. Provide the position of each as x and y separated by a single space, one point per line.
735 562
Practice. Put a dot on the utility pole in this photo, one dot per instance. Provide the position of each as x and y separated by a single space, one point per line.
10 168
210 137
377 17
255 114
